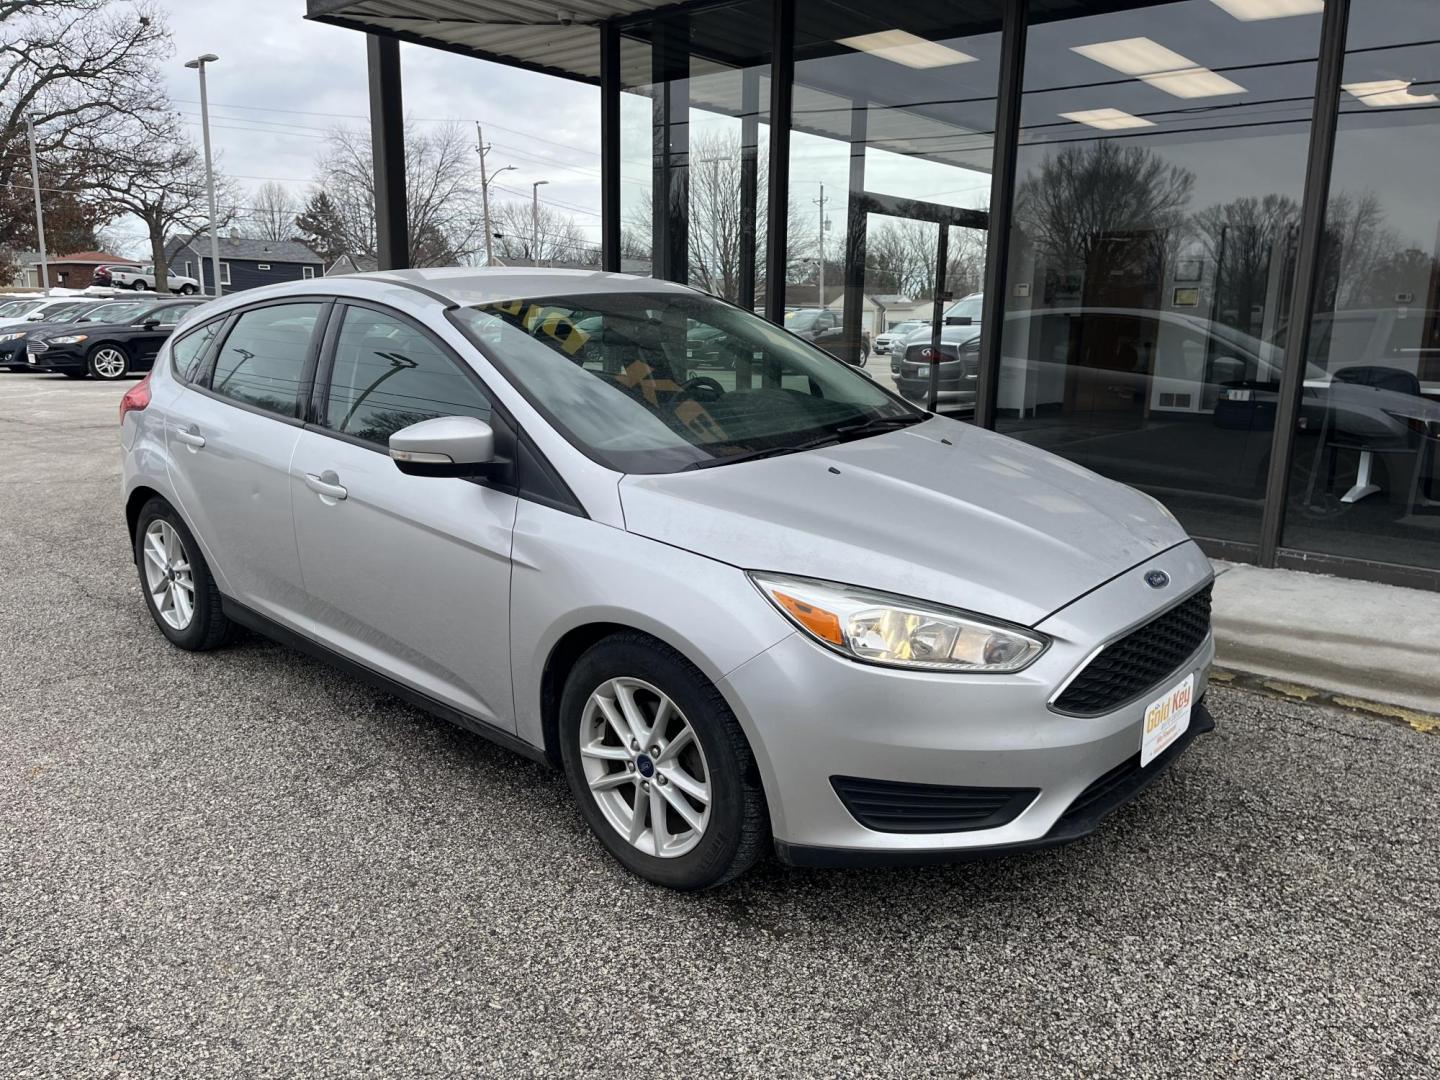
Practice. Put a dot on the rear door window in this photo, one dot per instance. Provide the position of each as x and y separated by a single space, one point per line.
262 361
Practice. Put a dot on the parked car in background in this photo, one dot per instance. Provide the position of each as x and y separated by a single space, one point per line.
17 307
825 328
108 350
44 308
896 334
963 314
124 277
498 494
105 275
13 338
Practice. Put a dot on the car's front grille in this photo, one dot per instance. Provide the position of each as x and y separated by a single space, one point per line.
892 806
32 346
1140 660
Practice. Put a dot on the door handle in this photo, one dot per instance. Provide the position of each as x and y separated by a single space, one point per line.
327 484
190 436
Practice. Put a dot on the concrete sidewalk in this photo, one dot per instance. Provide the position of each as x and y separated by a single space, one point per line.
1358 642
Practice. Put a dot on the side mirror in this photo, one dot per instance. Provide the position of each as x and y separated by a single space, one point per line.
148 324
447 446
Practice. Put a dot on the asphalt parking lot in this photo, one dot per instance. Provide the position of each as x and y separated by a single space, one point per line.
243 865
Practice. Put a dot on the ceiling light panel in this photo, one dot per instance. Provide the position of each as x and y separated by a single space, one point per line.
1388 92
903 47
1255 10
1108 119
1162 68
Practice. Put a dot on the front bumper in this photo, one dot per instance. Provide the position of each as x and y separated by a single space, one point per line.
814 715
55 358
12 355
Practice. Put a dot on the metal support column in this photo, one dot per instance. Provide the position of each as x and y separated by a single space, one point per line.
852 312
670 74
1323 122
782 85
387 139
749 183
1002 205
610 146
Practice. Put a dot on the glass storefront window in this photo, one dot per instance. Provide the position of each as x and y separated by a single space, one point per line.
1366 477
1159 179
694 119
890 154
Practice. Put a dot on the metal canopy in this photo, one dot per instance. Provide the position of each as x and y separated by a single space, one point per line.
560 38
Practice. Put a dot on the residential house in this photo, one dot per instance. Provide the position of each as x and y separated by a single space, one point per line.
244 263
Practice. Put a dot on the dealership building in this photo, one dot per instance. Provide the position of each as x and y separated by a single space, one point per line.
1194 246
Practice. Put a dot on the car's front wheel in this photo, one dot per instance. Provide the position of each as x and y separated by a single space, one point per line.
659 766
108 362
187 290
179 591
138 286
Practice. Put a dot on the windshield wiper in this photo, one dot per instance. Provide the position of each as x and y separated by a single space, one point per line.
842 433
861 428
827 439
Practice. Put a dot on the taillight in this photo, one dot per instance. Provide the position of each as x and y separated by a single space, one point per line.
137 397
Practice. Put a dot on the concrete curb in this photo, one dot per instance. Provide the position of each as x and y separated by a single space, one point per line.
1423 722
1377 646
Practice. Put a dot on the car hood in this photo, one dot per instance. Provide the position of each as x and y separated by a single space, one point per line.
942 511
88 329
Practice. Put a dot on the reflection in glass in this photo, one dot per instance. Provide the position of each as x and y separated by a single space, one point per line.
1366 477
1159 178
890 167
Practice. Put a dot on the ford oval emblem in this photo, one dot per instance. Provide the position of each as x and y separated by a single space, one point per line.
1157 579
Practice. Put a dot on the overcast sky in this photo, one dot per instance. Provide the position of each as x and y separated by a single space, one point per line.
282 82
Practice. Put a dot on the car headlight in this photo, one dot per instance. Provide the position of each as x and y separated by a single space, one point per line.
11 337
881 628
68 339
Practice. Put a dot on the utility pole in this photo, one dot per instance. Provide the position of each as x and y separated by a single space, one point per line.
820 202
39 213
482 149
535 221
199 65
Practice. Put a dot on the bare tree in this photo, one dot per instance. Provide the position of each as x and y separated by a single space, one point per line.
560 238
1242 238
1105 211
442 186
716 220
153 172
82 69
272 212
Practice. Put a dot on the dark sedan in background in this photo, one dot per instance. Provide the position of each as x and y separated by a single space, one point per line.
108 350
13 339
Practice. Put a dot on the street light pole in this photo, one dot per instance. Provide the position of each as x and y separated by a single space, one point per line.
39 213
199 65
485 179
535 221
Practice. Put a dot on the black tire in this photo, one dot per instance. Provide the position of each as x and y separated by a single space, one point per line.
187 290
138 286
738 831
208 628
105 353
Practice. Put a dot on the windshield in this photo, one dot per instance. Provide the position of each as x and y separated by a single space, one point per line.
905 327
68 315
116 312
16 308
801 320
656 383
966 308
49 312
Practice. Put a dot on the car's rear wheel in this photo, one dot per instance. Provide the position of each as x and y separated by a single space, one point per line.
659 766
187 290
138 286
108 362
179 591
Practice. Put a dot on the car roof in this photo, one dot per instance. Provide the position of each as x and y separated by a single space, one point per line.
467 285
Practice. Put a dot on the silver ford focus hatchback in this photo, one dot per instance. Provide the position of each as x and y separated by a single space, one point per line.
737 591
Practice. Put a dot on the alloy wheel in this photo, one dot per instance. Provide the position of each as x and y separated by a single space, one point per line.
168 575
645 767
109 363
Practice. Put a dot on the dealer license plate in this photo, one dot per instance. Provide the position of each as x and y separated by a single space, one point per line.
1166 719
